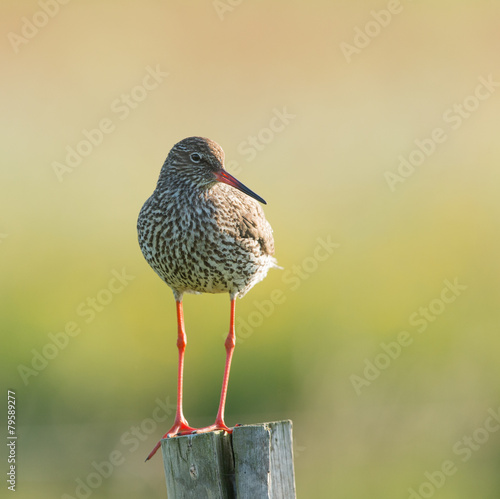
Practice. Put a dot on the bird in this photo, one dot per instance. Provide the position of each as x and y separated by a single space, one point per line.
203 231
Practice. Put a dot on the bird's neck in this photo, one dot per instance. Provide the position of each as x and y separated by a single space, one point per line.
174 187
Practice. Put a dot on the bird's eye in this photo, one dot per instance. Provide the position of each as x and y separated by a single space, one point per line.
195 157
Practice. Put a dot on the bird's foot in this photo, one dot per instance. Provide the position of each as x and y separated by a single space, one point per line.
182 428
218 425
178 428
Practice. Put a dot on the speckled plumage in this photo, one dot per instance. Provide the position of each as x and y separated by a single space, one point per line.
201 235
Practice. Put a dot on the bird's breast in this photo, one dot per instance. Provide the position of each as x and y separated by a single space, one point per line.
193 245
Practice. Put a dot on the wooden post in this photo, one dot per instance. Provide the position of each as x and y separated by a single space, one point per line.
255 462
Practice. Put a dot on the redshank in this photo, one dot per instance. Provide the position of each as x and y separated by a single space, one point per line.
203 231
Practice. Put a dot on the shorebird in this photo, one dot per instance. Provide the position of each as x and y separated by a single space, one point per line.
203 231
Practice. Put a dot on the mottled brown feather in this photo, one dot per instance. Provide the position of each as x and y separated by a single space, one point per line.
200 235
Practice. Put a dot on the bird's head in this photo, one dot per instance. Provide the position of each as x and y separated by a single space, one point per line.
201 161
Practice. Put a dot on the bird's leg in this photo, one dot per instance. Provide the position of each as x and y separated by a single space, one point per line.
180 426
229 344
180 423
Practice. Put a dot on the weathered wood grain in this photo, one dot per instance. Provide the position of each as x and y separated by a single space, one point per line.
255 462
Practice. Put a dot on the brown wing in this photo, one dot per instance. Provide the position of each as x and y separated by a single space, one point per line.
244 218
258 229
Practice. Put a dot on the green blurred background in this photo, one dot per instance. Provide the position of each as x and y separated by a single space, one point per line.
231 67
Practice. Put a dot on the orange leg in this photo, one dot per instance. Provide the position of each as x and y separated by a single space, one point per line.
180 426
229 344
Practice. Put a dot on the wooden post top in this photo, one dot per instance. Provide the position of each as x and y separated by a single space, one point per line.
255 462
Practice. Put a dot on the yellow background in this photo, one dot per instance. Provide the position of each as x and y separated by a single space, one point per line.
323 176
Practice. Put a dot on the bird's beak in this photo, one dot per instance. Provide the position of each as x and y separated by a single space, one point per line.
226 178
